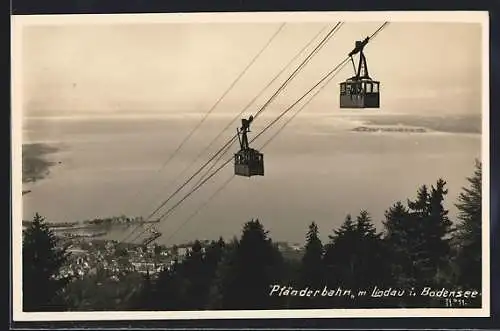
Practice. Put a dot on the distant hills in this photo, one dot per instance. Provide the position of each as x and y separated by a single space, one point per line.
388 129
450 123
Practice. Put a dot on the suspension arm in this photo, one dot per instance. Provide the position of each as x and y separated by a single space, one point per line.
359 46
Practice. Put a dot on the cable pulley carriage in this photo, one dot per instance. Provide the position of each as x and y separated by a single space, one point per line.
360 91
152 236
248 162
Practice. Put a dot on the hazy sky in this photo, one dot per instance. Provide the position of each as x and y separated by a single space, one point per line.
423 67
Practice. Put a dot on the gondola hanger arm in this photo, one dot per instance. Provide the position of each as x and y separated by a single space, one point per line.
359 46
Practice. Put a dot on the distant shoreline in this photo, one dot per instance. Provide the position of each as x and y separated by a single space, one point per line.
35 164
448 124
389 129
94 227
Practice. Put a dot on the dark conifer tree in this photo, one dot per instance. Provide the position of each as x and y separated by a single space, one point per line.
437 234
372 268
169 290
418 240
312 273
337 257
356 260
341 259
42 261
400 236
250 271
468 232
419 251
222 276
195 278
214 254
429 247
213 257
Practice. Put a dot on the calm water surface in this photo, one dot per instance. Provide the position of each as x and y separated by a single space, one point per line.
316 170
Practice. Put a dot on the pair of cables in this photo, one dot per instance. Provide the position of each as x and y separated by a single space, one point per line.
227 145
326 79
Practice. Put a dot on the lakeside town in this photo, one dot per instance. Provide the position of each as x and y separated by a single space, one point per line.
90 255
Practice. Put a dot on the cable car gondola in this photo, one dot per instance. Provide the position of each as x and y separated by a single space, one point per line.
360 91
248 161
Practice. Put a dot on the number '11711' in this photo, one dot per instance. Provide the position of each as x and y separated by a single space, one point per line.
453 302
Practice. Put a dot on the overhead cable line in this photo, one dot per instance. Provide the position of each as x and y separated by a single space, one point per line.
307 59
165 214
199 209
214 163
226 92
327 76
184 141
237 116
226 183
283 85
301 108
180 188
321 44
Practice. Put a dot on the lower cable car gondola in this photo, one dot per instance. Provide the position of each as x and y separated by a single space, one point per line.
360 91
248 162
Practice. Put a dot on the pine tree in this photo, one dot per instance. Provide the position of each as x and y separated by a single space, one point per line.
42 261
437 232
311 272
249 271
213 258
337 258
468 231
418 248
372 267
195 278
356 259
400 236
420 206
430 246
214 254
168 292
312 266
418 239
340 259
222 276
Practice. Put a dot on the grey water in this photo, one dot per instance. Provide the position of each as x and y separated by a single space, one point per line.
316 169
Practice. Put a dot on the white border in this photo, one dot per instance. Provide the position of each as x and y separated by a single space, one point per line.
18 22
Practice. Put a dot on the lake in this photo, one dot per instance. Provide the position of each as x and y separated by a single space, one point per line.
316 169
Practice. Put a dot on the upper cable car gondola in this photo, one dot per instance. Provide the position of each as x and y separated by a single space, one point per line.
247 161
360 91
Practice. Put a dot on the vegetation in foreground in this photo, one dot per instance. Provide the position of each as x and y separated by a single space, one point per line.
419 254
